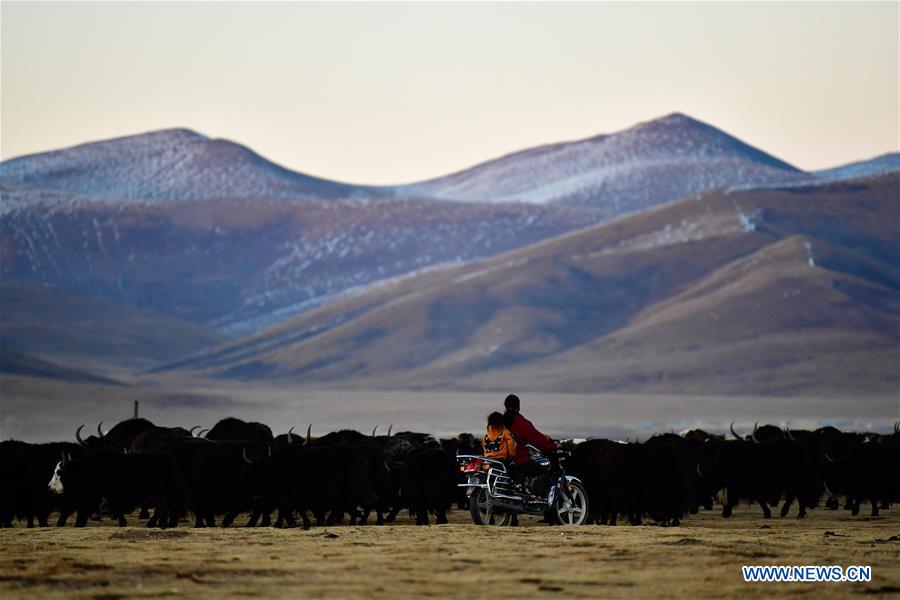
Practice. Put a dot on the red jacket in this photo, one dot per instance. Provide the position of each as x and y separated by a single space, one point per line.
525 433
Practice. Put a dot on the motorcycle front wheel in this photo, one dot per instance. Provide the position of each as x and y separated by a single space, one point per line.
482 515
574 511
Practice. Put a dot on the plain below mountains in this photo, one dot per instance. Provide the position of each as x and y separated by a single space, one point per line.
782 291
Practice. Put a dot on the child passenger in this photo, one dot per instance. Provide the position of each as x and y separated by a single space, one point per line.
498 443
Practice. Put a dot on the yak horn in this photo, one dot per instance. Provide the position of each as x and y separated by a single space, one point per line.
374 430
100 429
308 430
78 435
290 438
897 427
389 429
200 434
193 428
736 436
246 460
699 472
788 434
828 458
65 458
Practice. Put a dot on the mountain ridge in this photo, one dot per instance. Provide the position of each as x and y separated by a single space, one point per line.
518 316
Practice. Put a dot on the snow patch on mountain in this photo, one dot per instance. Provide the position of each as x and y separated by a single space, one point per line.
168 165
647 164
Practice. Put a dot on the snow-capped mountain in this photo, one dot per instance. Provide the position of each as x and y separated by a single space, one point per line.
650 163
168 165
208 231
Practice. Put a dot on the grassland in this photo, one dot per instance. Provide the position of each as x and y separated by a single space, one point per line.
702 559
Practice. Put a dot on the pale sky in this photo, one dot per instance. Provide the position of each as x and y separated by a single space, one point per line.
387 93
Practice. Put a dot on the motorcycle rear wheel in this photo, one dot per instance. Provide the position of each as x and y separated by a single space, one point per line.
480 513
574 514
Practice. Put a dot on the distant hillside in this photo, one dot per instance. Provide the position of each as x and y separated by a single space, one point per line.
91 333
645 165
238 266
168 165
782 291
880 165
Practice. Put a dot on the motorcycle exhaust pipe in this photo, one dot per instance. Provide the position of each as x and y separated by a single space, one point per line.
510 508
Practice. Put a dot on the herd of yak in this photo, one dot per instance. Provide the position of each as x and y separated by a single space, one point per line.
239 467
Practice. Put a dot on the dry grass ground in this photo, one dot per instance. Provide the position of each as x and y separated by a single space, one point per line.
700 559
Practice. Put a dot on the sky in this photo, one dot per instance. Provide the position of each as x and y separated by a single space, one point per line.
386 93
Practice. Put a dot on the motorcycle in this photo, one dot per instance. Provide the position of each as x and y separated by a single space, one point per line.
494 496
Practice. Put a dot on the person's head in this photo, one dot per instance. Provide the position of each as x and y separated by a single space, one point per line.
511 403
495 419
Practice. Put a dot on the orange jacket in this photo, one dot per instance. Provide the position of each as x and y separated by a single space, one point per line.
498 443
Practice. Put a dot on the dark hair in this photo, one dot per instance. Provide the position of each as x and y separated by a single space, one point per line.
495 419
512 407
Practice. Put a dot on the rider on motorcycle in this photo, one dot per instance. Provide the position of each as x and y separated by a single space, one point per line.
526 433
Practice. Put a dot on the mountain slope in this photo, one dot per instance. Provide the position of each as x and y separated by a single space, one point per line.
91 333
240 265
168 165
547 314
880 165
650 163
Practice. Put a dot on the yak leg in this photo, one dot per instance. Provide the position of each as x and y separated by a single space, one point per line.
730 501
392 516
440 516
874 506
787 505
854 509
121 519
767 514
81 519
832 503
